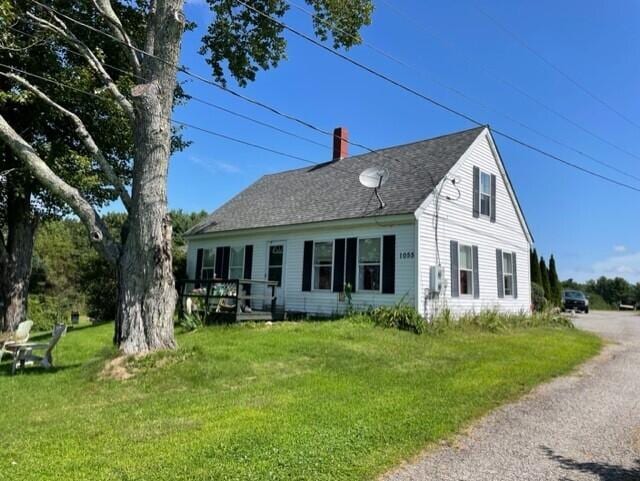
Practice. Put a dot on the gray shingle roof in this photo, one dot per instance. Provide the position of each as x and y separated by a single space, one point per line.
332 191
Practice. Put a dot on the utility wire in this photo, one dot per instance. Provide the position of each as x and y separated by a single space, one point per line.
552 65
432 101
460 93
474 64
361 66
193 97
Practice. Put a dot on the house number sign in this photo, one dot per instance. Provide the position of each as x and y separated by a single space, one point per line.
407 255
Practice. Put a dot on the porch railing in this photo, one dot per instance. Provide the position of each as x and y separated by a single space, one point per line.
227 300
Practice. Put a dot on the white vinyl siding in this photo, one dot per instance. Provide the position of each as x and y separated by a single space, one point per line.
322 302
455 223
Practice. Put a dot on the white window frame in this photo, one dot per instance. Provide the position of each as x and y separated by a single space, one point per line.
241 266
460 269
506 274
314 265
358 287
208 268
481 194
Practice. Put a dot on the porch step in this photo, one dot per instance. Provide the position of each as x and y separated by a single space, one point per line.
255 316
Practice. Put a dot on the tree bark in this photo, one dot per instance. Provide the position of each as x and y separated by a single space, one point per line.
147 296
18 252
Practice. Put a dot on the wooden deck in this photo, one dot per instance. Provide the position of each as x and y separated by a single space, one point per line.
227 300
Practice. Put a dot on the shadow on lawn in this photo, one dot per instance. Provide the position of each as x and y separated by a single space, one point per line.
606 471
5 369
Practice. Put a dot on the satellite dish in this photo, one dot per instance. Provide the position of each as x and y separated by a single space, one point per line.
374 178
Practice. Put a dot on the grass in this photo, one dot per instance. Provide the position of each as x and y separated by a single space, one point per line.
295 401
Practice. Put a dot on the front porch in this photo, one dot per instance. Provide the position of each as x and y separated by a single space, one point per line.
227 300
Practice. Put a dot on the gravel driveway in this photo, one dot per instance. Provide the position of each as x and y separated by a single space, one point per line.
585 426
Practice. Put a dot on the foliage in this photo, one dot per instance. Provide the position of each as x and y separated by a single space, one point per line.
191 322
544 276
537 297
400 316
555 288
536 275
607 293
304 401
46 311
495 321
68 269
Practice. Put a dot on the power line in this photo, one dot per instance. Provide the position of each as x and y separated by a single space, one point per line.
552 65
195 98
468 59
361 66
464 95
432 101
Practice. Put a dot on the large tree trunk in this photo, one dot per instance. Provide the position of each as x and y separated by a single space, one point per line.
147 296
18 252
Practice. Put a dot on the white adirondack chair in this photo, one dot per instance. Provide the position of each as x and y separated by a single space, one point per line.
19 336
24 352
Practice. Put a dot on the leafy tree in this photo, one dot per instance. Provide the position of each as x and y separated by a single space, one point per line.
544 277
554 283
241 40
536 277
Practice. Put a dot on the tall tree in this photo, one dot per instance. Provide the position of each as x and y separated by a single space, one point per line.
53 132
555 289
535 268
242 39
544 278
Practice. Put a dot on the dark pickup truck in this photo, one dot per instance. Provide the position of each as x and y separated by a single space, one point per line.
575 301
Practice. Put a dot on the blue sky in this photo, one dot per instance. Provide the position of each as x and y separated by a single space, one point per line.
590 226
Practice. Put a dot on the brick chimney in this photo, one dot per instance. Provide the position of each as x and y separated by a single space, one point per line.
340 143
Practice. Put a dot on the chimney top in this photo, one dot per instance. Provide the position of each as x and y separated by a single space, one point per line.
340 143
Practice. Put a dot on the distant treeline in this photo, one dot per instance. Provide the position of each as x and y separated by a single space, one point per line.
69 275
607 293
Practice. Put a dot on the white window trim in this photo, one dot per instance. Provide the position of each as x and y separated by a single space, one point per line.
203 267
244 253
504 274
358 288
313 264
460 246
480 194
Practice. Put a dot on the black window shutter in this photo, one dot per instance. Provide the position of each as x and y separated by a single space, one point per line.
455 280
515 276
307 265
476 273
338 265
493 198
499 273
476 192
389 264
226 252
248 261
219 263
198 276
351 263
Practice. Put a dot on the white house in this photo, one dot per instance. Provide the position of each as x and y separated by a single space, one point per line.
451 232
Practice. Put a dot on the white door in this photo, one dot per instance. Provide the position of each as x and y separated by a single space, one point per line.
276 254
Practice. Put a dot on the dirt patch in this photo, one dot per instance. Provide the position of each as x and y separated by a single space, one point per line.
117 369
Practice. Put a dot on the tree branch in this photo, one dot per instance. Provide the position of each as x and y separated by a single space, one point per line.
98 231
106 10
94 62
83 134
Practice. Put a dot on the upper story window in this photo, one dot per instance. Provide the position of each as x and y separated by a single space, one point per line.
236 262
485 194
208 264
369 264
465 268
507 273
322 265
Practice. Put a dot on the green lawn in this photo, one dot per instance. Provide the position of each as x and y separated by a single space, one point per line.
294 401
